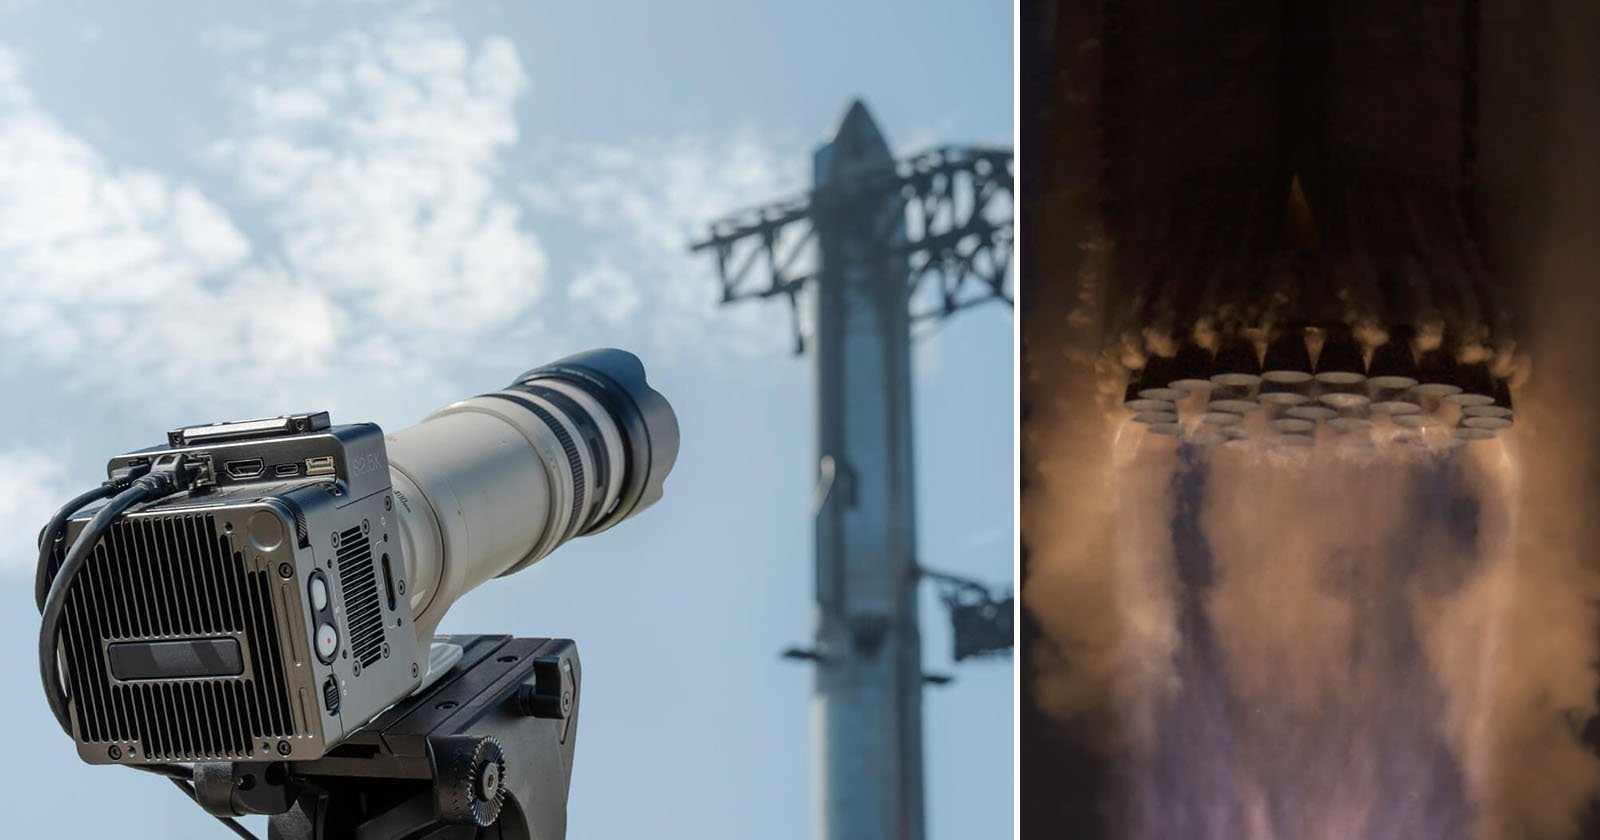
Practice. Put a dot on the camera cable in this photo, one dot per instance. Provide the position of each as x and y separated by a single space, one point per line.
128 488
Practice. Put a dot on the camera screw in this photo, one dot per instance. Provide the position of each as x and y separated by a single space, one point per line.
365 526
283 748
285 570
388 503
335 539
115 752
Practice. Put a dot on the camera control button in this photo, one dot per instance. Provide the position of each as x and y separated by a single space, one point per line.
327 641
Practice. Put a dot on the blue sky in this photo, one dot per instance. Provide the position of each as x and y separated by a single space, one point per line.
378 208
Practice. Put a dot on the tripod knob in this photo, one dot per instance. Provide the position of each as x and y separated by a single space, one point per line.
469 779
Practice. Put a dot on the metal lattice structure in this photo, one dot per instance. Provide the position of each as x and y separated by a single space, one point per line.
955 201
877 245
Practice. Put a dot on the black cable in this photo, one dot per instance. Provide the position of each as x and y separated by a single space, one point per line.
50 622
52 533
130 491
232 824
119 481
169 478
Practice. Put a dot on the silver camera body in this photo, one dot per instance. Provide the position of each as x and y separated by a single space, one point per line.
288 592
260 616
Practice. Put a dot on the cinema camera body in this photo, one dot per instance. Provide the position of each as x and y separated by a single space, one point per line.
289 593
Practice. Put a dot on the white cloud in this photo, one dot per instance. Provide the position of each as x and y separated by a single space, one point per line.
388 237
377 158
124 277
388 246
34 486
389 255
643 203
134 286
387 251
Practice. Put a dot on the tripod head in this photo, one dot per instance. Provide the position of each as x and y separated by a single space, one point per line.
483 752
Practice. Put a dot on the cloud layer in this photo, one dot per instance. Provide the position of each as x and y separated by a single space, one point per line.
378 158
92 255
644 202
371 246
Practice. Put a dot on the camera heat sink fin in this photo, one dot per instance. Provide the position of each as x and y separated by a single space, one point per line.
358 578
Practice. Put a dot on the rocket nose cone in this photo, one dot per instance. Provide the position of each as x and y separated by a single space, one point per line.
856 142
857 121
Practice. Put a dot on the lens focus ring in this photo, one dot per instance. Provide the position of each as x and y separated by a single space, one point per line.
569 447
614 380
600 473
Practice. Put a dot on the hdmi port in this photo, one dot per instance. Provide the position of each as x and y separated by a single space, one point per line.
245 468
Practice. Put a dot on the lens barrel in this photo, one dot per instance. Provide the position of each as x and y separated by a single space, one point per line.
489 485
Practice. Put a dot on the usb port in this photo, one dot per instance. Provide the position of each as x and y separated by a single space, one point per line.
286 470
320 466
243 468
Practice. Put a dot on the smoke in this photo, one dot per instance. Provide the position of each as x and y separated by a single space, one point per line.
1316 645
1391 642
1320 566
1067 522
1398 645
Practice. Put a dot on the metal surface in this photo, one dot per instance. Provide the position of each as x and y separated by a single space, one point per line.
876 246
230 570
869 699
486 752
